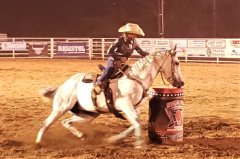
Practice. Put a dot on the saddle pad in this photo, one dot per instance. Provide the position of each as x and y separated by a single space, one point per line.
90 78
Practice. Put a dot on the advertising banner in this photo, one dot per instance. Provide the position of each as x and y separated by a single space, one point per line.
13 46
161 43
223 48
197 43
72 49
38 49
216 48
145 44
216 43
233 48
181 46
196 51
179 42
229 48
153 45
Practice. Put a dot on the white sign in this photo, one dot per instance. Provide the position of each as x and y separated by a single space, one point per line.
233 48
13 46
216 52
144 42
216 43
179 42
197 43
196 51
181 52
161 43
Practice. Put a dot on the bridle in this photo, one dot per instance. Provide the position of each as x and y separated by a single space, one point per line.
172 68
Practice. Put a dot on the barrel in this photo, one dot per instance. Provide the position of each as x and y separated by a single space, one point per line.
166 115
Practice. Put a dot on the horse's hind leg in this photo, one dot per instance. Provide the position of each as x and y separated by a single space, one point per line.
51 118
60 107
82 118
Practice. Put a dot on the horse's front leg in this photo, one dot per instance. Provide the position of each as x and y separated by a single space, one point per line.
122 135
132 117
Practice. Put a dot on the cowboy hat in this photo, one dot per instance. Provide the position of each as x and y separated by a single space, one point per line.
132 29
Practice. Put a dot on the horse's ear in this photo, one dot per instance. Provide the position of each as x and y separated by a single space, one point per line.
175 47
173 51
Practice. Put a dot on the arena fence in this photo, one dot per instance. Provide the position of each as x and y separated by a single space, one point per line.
2 35
189 50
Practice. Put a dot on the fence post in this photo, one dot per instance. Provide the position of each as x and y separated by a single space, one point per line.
13 40
90 48
103 48
52 47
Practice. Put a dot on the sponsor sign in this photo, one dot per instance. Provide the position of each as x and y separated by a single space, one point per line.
214 48
76 48
144 42
196 51
13 45
161 43
235 43
233 48
181 52
197 43
38 49
193 47
179 42
216 52
155 49
216 43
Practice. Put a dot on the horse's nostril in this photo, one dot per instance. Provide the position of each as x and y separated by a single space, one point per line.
182 83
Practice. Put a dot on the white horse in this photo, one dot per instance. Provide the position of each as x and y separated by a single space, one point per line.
127 91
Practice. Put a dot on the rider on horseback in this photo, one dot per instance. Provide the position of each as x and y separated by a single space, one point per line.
121 50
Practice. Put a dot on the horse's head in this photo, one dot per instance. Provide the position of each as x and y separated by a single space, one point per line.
170 68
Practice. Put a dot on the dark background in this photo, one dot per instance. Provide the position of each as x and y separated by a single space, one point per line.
102 18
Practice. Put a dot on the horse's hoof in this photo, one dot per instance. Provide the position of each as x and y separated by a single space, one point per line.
38 146
111 140
80 136
139 144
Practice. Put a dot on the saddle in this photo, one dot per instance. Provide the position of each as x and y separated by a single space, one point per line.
92 78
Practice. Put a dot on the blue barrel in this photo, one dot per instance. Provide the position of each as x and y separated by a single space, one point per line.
166 115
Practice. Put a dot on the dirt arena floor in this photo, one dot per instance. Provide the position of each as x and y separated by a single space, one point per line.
211 114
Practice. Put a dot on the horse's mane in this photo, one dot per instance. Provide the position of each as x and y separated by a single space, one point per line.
143 61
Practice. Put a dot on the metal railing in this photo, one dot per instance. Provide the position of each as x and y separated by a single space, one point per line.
96 48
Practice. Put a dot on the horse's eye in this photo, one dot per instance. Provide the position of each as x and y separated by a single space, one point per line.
176 63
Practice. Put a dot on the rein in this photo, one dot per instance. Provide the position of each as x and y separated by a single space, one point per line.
139 82
161 72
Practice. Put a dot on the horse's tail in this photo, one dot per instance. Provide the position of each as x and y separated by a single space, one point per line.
48 92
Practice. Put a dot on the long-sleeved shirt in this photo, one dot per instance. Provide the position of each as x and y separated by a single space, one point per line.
124 48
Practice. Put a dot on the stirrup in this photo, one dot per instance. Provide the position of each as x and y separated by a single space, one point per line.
93 94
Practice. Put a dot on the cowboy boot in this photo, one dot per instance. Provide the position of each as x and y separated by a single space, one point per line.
106 75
